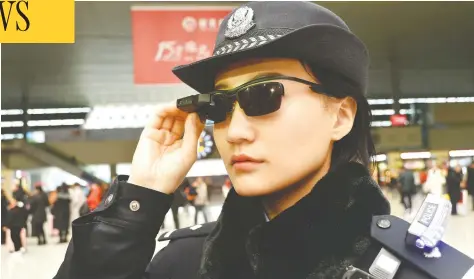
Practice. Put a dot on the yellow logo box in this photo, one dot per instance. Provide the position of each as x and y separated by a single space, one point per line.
37 21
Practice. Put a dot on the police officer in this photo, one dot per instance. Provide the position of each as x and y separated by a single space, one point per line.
291 123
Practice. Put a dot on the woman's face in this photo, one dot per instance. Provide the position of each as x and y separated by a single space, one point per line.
289 145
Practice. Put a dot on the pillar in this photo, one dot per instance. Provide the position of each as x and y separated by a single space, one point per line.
113 171
425 133
394 75
24 106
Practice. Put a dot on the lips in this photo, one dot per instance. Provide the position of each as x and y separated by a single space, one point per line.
242 158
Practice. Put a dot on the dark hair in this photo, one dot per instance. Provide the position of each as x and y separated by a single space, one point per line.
357 146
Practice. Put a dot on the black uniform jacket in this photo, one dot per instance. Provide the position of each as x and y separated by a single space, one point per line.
317 238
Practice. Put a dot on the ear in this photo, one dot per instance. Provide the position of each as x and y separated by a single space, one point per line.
346 113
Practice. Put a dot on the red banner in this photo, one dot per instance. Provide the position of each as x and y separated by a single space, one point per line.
164 37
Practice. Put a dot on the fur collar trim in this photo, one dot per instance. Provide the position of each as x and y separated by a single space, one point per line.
318 237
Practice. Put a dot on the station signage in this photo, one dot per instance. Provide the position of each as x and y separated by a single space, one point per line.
165 37
398 120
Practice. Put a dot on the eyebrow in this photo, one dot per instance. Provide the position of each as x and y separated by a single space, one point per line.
224 85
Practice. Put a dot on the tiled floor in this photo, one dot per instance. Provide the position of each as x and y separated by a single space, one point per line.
42 262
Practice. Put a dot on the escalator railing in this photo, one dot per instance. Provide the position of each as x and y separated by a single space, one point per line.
59 154
50 156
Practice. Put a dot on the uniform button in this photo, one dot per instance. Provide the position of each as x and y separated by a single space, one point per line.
384 223
109 199
134 206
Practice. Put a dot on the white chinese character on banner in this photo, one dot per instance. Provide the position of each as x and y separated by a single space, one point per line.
169 51
203 24
213 24
203 52
190 50
220 21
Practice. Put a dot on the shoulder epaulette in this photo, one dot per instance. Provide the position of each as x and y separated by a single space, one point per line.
194 231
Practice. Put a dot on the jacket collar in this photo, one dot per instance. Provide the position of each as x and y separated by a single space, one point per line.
318 236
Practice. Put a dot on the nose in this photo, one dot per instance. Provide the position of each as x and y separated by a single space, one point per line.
240 129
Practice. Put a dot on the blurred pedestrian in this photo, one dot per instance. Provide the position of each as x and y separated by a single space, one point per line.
95 196
407 188
78 199
38 204
470 181
22 194
17 216
61 212
202 200
453 182
179 201
4 216
434 181
191 194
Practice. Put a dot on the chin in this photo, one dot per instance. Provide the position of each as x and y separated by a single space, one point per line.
252 186
246 191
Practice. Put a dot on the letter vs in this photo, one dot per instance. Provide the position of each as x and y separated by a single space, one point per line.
18 14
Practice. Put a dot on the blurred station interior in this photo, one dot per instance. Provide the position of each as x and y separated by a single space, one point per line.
74 112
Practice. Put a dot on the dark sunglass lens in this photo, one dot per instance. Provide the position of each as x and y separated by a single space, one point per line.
220 107
261 99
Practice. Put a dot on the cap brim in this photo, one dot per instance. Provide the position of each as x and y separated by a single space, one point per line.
328 46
